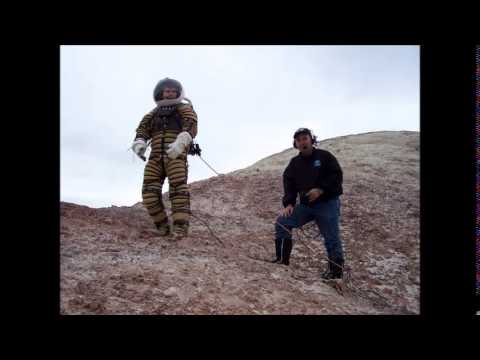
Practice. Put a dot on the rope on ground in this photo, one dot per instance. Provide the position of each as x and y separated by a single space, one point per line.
209 229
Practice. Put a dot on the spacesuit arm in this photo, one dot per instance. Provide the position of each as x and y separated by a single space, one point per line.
189 119
144 128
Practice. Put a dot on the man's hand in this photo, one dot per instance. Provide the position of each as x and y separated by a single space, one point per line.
313 194
287 211
174 150
179 145
139 147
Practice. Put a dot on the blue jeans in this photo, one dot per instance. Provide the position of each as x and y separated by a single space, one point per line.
326 215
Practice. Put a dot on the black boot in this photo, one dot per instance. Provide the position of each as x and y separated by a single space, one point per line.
278 251
334 270
286 250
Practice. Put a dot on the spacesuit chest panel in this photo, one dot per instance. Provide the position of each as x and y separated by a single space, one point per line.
167 118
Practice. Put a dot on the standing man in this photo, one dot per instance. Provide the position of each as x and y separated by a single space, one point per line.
171 126
316 176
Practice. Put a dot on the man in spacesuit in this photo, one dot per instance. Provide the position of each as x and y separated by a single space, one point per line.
170 127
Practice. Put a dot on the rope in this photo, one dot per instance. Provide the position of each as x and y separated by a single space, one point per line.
208 227
208 165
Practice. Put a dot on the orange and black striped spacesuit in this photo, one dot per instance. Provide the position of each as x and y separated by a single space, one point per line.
162 126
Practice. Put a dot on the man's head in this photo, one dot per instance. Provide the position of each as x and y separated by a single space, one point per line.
169 93
167 89
303 140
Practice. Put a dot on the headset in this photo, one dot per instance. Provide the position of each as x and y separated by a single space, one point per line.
306 132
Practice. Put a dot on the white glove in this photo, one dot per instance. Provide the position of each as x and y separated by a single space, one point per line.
179 145
139 147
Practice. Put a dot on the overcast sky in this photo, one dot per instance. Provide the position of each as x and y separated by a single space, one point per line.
249 101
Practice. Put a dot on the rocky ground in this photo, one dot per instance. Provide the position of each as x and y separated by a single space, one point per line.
113 262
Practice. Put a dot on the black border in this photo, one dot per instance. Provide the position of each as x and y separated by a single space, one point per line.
447 180
477 155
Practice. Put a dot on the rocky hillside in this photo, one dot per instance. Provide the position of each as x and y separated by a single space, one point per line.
112 261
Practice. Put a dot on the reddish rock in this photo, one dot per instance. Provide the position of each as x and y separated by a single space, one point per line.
113 262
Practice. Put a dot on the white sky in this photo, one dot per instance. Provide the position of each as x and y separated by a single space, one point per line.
249 101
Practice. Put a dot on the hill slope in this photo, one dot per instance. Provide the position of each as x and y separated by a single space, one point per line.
112 262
